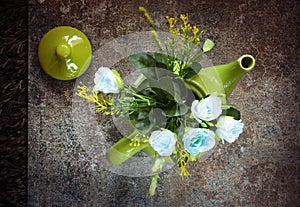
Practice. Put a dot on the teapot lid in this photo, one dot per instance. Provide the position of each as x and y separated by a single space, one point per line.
64 53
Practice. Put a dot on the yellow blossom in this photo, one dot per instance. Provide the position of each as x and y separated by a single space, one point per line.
185 29
135 142
184 157
184 172
184 18
93 96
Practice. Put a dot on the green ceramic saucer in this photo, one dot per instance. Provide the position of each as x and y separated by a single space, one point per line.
65 53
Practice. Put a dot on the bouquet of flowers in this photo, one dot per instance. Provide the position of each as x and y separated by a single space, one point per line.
173 120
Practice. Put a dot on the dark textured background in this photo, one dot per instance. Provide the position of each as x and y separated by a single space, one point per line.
260 169
13 99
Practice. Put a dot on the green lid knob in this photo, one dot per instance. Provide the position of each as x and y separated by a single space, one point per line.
65 53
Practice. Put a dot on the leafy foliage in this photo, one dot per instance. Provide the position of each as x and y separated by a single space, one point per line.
235 113
208 45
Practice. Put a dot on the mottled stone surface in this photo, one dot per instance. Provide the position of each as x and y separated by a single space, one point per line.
260 169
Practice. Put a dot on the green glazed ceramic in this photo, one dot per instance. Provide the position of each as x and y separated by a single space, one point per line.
219 80
64 53
123 150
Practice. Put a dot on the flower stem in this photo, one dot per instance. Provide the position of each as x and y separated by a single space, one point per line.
152 26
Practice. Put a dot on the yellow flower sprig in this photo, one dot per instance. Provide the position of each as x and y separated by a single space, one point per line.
184 172
179 52
172 22
135 142
182 161
188 32
93 96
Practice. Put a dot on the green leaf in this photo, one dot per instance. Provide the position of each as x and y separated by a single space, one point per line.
170 86
161 60
208 45
156 73
179 90
142 115
176 110
183 109
170 94
142 60
175 124
157 117
171 111
142 122
165 84
233 113
191 71
152 67
149 92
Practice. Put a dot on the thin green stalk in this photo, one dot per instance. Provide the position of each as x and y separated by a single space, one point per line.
152 26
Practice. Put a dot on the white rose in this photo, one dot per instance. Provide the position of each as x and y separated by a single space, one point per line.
163 142
107 81
207 109
229 129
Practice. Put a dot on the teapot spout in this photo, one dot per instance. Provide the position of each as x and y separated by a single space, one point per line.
220 80
246 62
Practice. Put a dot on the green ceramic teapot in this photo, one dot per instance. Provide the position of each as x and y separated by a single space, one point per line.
218 80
